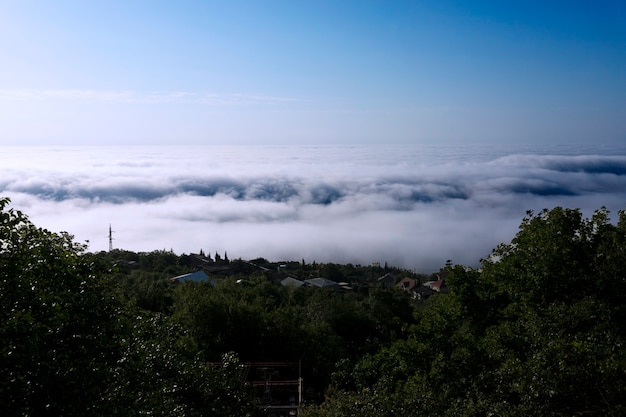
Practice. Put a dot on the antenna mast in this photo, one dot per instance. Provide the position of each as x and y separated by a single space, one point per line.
110 238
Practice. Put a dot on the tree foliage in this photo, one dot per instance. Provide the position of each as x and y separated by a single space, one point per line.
538 329
59 329
69 347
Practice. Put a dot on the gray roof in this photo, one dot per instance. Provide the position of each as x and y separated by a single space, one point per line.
388 277
321 282
292 281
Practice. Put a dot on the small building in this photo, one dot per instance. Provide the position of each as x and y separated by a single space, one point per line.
217 269
431 287
198 276
322 283
388 280
422 292
437 285
293 282
407 284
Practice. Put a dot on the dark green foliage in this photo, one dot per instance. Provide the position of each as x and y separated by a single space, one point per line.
160 373
59 330
147 290
332 272
538 330
262 321
69 347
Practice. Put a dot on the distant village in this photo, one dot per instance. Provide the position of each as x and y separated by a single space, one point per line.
209 270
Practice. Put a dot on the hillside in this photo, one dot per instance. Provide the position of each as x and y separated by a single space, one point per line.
538 329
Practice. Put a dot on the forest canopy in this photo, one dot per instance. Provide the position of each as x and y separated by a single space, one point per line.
537 329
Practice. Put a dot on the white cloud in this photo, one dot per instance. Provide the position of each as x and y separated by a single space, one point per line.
406 206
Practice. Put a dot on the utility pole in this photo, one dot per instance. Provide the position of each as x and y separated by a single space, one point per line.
110 238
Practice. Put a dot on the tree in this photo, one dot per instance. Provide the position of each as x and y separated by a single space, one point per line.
537 330
161 373
59 329
553 328
68 347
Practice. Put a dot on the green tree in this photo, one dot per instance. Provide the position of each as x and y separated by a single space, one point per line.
59 332
537 330
161 373
68 347
553 329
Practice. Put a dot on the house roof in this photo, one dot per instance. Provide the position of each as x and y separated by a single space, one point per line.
292 281
198 276
436 285
389 277
217 269
406 284
423 291
321 282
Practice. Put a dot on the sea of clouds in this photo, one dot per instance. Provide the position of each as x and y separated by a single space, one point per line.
409 206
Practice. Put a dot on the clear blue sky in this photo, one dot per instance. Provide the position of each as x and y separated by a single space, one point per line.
311 72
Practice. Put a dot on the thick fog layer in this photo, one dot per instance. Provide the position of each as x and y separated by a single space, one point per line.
409 206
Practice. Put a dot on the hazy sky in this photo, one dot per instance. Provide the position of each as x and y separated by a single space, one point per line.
311 72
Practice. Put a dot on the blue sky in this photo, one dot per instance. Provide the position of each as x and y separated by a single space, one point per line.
311 72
